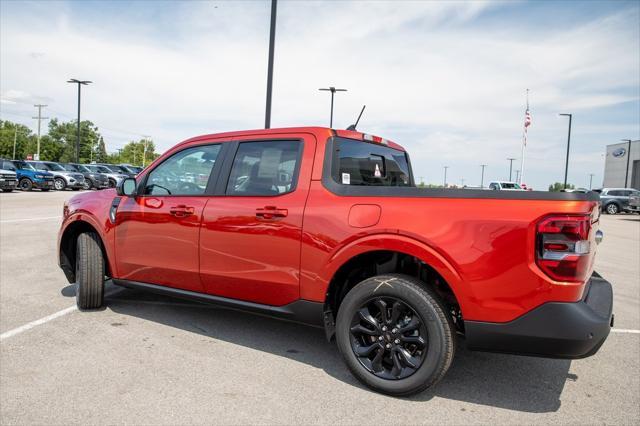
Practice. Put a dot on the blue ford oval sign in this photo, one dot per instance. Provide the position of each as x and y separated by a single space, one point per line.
620 152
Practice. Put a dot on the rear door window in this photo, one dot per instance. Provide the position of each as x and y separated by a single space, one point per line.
368 164
265 168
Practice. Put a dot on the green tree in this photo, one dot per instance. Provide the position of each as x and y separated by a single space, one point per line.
559 186
64 135
133 152
22 135
101 152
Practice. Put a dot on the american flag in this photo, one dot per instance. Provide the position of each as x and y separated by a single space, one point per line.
527 123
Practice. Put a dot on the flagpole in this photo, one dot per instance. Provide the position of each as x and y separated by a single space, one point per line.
524 144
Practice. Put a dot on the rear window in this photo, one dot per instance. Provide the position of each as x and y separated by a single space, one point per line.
367 164
508 185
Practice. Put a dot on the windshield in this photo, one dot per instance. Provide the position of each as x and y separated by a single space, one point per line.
83 169
70 168
21 165
98 169
510 185
54 166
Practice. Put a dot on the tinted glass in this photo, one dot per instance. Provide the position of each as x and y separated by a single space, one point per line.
184 173
70 168
264 168
368 164
614 193
8 165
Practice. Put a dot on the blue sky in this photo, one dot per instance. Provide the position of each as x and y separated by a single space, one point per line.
445 79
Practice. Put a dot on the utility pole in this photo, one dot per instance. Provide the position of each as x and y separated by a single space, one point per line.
510 167
566 164
272 42
517 175
146 139
79 83
39 118
15 139
626 172
333 91
591 175
482 176
445 175
462 182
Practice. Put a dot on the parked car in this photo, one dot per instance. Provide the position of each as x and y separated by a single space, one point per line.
131 169
28 177
616 200
8 179
505 186
634 202
61 178
91 179
327 227
120 169
114 177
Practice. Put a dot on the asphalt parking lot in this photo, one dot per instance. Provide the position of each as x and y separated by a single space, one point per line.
154 360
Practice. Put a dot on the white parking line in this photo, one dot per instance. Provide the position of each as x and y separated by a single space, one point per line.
31 219
625 330
36 323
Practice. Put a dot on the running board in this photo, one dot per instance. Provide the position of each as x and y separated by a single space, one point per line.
301 311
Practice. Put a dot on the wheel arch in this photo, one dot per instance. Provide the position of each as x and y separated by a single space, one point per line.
68 243
393 254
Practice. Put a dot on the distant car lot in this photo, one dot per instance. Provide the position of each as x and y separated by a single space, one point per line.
148 359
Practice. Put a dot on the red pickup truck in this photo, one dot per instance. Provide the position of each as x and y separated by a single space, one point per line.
327 227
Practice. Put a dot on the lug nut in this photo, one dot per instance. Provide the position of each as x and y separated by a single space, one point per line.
388 345
384 328
396 341
395 330
380 338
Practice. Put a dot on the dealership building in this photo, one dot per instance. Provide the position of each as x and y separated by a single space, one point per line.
622 162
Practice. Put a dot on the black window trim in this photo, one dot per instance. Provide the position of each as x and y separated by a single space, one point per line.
225 173
213 176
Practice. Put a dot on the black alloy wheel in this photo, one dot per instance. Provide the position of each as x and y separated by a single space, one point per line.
25 184
389 338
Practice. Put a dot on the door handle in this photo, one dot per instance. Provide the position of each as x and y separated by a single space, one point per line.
181 210
270 212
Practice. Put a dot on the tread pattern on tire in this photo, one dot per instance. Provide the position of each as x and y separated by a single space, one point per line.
449 334
89 271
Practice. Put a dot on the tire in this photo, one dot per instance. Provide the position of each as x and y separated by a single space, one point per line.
87 185
25 184
45 190
7 190
112 183
421 305
612 208
89 271
75 189
59 184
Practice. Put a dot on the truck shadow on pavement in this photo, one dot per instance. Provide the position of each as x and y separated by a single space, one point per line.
517 383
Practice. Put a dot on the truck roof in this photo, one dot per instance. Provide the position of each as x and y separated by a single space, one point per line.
351 134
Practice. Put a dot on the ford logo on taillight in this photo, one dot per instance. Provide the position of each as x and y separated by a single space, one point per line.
620 152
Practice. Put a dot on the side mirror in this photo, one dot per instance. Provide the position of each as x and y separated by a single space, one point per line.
127 187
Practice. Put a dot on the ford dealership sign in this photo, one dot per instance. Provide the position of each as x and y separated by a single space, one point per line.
620 152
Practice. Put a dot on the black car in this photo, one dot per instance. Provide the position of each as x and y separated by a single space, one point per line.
92 179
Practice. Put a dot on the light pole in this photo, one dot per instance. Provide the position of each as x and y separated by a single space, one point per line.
626 172
272 41
510 167
79 83
146 140
39 118
591 175
566 164
482 176
517 175
333 91
445 175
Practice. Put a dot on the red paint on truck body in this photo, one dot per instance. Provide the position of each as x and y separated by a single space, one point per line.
483 248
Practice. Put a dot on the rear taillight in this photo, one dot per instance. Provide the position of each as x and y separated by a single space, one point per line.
563 249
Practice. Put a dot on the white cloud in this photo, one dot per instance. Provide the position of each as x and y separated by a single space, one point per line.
450 90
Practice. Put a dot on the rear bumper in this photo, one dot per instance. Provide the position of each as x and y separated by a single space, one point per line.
554 329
